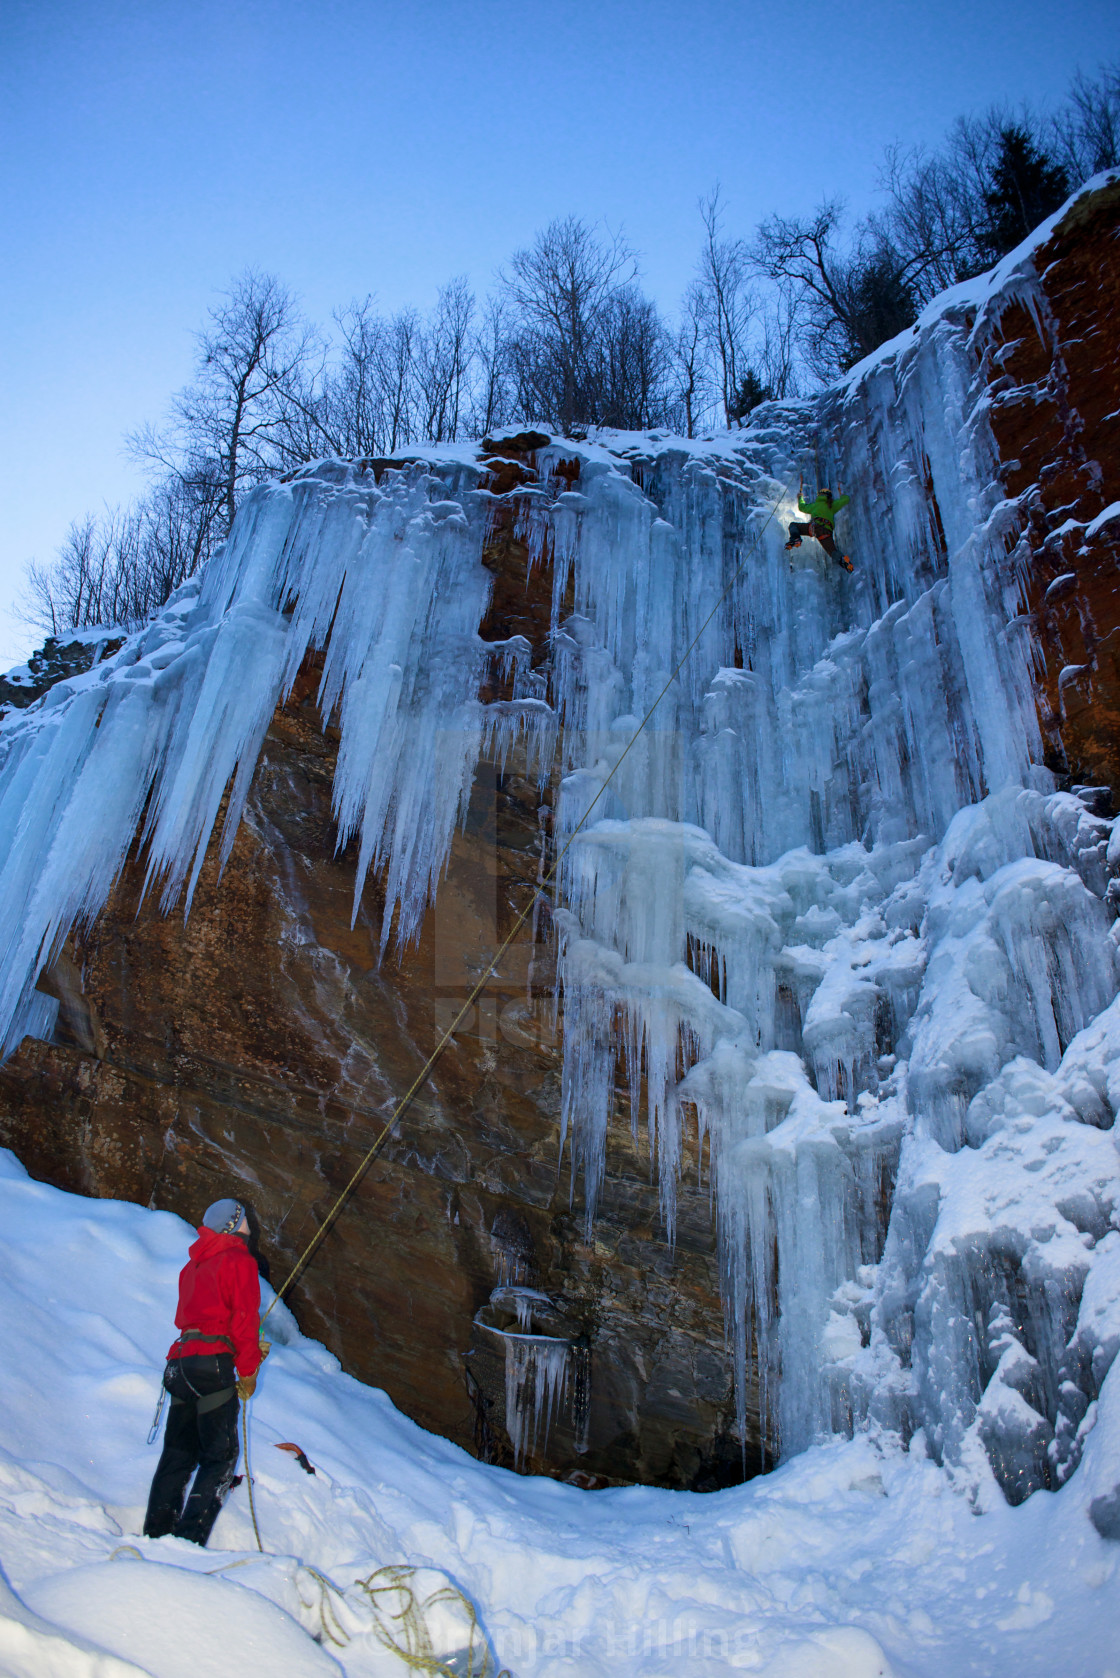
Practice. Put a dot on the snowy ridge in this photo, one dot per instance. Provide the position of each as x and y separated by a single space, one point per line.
830 909
852 1561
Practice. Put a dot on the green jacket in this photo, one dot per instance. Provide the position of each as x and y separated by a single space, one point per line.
822 509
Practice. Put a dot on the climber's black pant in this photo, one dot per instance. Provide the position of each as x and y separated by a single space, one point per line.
205 1441
823 533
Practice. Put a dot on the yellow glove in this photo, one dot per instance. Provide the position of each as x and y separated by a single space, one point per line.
246 1386
265 1348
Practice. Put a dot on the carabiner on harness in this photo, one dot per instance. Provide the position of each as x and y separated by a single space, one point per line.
160 1402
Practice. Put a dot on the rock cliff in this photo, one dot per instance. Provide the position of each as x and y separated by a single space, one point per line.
1056 416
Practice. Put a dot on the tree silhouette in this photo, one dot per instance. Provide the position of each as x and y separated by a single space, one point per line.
1025 187
752 390
880 304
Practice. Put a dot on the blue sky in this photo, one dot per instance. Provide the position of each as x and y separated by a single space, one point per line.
149 151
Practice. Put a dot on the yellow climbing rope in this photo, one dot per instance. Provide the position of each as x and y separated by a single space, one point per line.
403 1626
249 1471
399 1624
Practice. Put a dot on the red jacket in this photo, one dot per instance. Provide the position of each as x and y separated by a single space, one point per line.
220 1292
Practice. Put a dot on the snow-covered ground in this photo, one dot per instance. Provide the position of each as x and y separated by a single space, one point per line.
852 1560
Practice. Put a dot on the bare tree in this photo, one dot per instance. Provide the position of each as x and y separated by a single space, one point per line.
179 532
800 252
691 393
558 291
1084 137
349 404
494 400
396 372
776 353
949 214
934 213
231 421
120 568
58 596
445 351
632 361
848 302
730 304
391 381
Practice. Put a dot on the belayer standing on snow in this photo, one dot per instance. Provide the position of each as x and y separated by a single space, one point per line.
822 516
213 1363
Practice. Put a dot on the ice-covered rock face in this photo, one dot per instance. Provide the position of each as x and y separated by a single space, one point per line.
826 908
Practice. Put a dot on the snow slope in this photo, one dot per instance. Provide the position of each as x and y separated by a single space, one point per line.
852 1560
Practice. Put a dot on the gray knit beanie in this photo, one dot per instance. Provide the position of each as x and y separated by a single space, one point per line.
224 1216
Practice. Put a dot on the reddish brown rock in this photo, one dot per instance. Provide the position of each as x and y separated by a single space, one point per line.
1056 418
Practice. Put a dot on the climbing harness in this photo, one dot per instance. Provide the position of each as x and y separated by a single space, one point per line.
205 1402
204 1334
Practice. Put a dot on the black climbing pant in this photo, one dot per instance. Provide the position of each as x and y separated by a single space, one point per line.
197 1437
823 533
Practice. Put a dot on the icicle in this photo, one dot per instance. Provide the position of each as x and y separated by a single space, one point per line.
536 1381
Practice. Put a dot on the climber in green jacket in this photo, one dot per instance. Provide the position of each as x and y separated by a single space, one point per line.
822 516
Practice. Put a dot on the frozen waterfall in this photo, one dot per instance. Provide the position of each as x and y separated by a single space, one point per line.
829 910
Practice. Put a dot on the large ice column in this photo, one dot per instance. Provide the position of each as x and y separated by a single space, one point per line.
796 1191
628 987
910 435
829 733
387 578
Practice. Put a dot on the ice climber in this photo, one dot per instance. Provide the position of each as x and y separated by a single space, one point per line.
212 1364
822 517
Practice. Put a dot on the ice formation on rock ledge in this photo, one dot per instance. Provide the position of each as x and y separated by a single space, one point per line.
538 1353
827 908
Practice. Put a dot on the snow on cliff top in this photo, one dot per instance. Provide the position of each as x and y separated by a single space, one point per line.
986 295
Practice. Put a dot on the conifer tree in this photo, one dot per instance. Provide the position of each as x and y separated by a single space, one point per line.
752 390
1025 187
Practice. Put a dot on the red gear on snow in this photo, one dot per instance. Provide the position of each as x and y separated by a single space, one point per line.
220 1293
